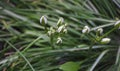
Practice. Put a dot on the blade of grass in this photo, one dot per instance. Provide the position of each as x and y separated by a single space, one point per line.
98 60
21 55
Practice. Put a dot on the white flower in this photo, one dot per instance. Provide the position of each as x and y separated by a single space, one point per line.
43 20
66 25
100 30
65 31
51 31
117 24
60 21
60 29
86 29
59 40
105 40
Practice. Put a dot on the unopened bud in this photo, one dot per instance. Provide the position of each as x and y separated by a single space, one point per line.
100 30
59 40
65 31
66 24
105 40
60 21
117 24
60 29
51 31
43 20
86 29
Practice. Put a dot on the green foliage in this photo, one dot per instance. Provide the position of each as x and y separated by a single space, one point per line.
24 46
70 66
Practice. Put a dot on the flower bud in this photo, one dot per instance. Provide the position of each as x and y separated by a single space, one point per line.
100 30
65 31
61 28
105 40
60 21
117 24
51 31
59 40
43 20
66 24
86 29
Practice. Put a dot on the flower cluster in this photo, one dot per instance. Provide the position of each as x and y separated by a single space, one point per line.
100 38
54 32
61 29
99 31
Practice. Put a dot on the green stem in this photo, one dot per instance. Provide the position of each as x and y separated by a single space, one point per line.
38 38
108 33
91 46
52 42
21 55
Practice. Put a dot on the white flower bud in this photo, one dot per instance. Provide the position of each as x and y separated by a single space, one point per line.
100 30
60 29
86 29
117 24
60 21
59 40
65 31
66 24
51 31
105 40
43 20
